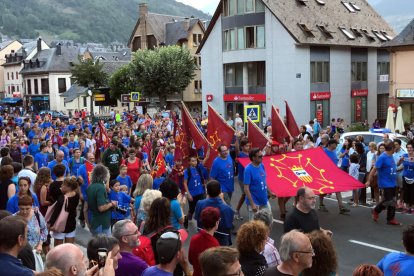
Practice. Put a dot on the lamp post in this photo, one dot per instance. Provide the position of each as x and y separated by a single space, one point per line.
90 94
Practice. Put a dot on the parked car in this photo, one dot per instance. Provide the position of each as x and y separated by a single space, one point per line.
376 136
54 114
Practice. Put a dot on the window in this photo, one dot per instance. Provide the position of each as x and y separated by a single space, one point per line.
137 44
383 71
13 89
356 32
45 86
226 8
368 35
12 75
359 71
256 74
226 40
8 89
387 35
382 106
199 38
17 75
355 6
36 86
18 89
197 86
200 88
195 44
195 61
232 39
232 7
319 71
249 6
320 2
260 36
240 6
347 33
303 2
306 30
325 32
250 37
240 38
8 77
29 87
377 33
85 102
62 85
349 6
151 42
233 75
260 7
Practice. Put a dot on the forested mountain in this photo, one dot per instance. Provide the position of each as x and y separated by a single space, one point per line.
81 20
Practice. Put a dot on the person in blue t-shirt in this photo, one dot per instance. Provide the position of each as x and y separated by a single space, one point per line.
387 180
157 182
123 211
124 179
34 146
245 148
255 186
72 144
408 177
41 157
170 190
398 263
58 160
222 170
193 186
64 148
75 162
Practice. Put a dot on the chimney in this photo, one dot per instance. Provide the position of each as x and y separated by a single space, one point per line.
59 49
39 45
186 24
143 10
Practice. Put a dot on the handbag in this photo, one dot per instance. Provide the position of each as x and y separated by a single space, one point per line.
60 223
49 212
39 265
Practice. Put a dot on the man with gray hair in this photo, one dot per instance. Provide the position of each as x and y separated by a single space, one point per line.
58 160
98 202
270 251
127 233
296 253
68 258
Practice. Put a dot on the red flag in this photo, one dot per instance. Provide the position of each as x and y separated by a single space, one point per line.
255 135
218 132
192 130
160 164
291 124
103 138
286 173
279 130
182 148
89 168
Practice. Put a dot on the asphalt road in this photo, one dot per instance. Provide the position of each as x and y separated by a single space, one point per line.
356 237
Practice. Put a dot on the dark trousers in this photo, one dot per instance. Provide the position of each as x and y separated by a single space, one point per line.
388 202
81 214
192 204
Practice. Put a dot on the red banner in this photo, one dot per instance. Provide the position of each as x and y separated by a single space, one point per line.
218 132
103 138
286 173
279 130
161 168
358 110
291 124
89 168
317 96
255 135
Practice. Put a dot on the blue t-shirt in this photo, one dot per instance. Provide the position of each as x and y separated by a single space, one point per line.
13 203
155 271
73 145
123 202
408 167
226 212
24 150
65 150
223 172
157 182
194 184
387 176
82 172
169 159
41 160
345 159
176 213
255 177
240 167
137 202
125 141
332 156
34 149
53 163
125 181
74 166
397 263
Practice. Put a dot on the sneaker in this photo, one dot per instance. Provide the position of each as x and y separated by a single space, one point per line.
393 222
344 210
185 222
323 208
375 215
355 205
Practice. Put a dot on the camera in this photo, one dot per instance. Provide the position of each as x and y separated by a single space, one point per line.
102 255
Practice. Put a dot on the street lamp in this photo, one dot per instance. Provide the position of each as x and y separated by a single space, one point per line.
91 86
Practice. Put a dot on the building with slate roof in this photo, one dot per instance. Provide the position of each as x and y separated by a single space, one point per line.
5 48
323 57
152 30
401 50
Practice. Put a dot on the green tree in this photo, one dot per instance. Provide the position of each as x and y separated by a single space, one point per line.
122 82
87 72
163 71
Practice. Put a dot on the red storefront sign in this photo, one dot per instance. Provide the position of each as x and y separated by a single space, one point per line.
359 93
358 109
317 96
209 98
319 113
244 97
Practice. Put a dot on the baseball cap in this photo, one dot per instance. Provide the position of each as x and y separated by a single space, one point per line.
168 244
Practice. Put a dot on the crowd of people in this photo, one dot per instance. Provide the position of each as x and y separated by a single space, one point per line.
55 174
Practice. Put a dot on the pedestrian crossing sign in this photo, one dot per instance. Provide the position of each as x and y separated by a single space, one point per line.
252 112
135 96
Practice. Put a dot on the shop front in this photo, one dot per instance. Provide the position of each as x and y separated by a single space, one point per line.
320 107
359 105
234 103
406 100
37 104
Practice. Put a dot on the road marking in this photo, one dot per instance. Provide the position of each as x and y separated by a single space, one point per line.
373 246
278 221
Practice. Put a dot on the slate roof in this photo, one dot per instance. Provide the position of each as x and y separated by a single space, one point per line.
332 15
405 38
177 31
109 67
49 61
74 92
124 54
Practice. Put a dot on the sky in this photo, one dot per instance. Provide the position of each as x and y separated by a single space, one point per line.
208 6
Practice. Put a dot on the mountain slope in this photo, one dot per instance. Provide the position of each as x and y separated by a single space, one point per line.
81 20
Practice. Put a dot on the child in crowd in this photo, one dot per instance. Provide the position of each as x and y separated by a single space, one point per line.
123 200
124 179
354 172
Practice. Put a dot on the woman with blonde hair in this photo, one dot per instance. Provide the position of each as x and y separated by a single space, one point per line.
41 188
144 183
147 198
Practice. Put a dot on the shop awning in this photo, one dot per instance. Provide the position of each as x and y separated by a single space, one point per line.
11 100
39 98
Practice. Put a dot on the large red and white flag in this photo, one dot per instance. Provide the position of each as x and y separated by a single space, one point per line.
291 124
103 138
279 130
160 165
255 135
286 173
218 132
